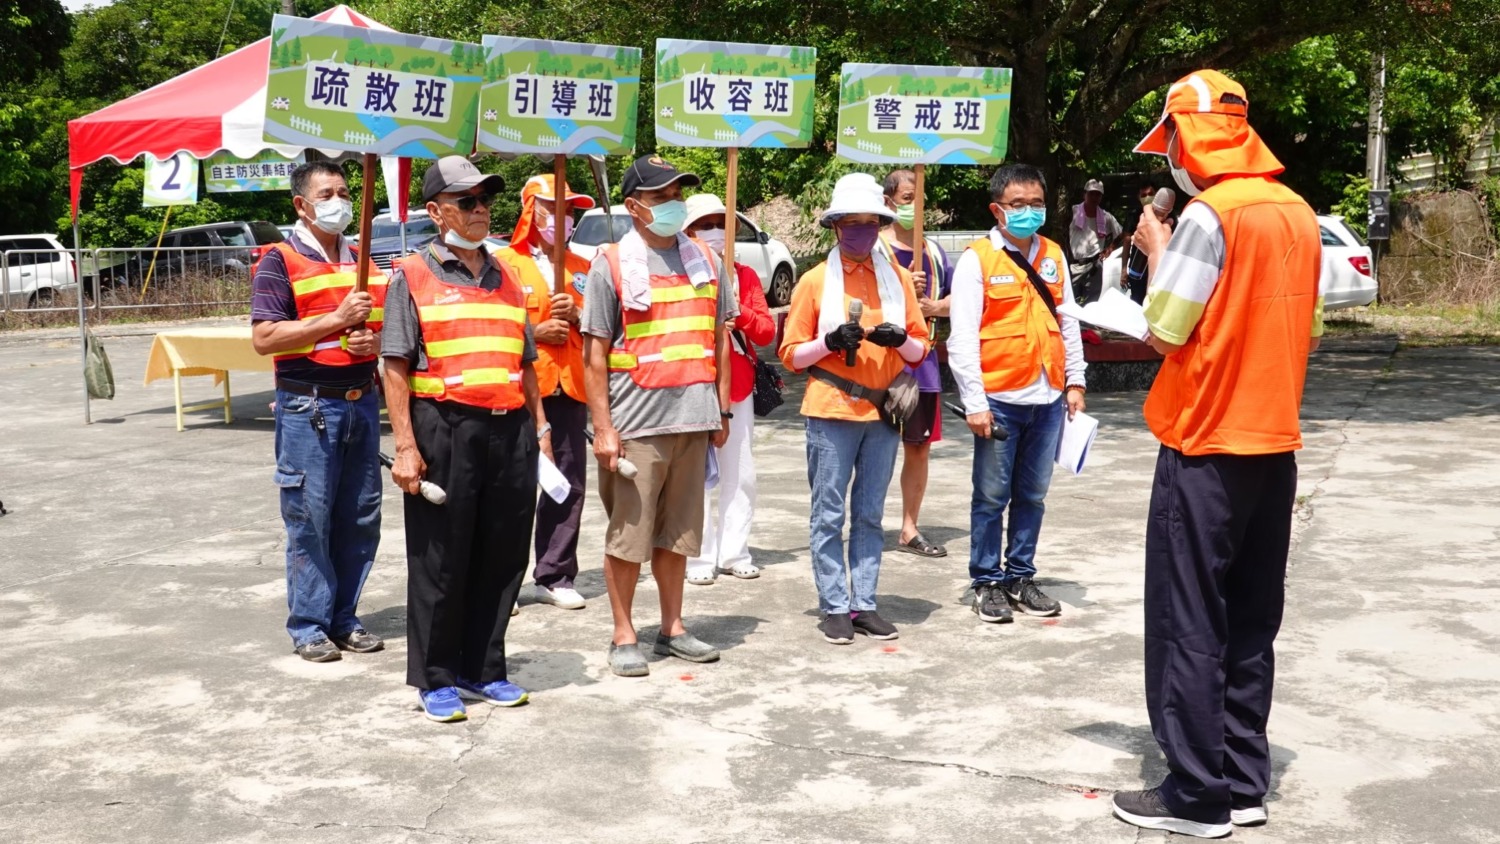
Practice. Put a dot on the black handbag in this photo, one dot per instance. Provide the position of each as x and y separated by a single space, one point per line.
769 388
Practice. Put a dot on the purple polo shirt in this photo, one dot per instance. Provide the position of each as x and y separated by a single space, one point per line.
929 380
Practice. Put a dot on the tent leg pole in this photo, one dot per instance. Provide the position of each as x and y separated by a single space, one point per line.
83 317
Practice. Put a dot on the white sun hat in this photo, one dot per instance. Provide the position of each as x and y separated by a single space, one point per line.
701 205
856 193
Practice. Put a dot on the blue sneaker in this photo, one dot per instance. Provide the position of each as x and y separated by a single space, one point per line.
443 704
500 692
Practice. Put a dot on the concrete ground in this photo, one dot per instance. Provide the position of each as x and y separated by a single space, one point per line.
149 692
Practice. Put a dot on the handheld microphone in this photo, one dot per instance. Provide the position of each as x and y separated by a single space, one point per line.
996 432
856 310
1161 205
430 491
626 469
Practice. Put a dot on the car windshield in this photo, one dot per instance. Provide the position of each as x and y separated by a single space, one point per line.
265 233
591 230
231 237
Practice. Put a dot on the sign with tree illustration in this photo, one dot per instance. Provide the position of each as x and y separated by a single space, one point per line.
718 94
916 114
371 90
556 96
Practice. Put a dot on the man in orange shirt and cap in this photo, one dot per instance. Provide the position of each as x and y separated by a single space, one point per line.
554 317
1234 307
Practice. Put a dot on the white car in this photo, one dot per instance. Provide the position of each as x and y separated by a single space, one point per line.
1347 259
769 257
34 268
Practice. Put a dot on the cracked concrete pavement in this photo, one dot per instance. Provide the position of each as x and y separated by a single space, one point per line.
150 693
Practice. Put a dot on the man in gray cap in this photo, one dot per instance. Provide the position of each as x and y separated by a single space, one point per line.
656 373
465 414
1091 235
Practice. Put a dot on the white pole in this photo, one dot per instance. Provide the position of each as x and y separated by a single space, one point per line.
83 317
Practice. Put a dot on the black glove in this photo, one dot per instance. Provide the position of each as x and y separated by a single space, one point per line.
845 337
888 335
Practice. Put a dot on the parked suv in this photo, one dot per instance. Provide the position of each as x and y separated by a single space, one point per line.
214 249
385 235
33 269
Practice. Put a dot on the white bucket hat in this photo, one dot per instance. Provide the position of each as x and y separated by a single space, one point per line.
856 193
701 205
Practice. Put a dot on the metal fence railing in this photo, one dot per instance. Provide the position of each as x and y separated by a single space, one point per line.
110 279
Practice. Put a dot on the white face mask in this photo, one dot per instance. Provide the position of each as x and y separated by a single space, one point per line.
453 238
714 238
333 215
1185 181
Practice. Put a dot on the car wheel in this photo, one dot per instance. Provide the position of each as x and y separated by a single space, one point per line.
46 297
781 286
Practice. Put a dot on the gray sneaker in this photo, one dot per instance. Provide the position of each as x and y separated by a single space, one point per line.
686 646
627 660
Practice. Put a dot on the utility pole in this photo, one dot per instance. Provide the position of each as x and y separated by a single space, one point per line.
289 7
1379 225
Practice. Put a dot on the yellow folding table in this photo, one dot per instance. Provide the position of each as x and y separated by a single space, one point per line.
203 351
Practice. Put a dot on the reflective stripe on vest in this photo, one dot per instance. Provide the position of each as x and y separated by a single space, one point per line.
473 338
557 364
317 290
1018 338
672 343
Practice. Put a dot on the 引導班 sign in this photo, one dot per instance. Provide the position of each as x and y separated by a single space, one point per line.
916 114
718 94
557 96
355 88
171 181
225 173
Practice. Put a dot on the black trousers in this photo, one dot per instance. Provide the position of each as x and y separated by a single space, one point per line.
1216 551
465 559
557 524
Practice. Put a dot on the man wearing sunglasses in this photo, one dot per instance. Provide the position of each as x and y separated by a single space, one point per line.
466 414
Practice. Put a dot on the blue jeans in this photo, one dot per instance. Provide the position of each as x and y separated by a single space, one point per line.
330 503
837 451
1014 472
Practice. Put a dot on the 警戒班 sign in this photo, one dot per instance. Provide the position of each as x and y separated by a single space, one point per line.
556 96
720 94
917 114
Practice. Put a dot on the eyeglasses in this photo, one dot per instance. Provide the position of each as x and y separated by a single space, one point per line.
1022 206
469 201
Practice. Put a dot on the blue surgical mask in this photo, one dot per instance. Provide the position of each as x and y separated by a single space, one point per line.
667 218
1024 223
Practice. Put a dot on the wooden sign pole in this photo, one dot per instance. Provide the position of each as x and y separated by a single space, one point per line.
918 239
366 215
731 216
560 222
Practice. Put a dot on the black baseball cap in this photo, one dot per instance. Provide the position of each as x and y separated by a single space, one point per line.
455 174
651 172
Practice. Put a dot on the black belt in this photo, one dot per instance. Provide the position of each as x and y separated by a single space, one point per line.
300 388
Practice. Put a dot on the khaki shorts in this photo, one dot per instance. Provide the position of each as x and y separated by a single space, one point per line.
662 507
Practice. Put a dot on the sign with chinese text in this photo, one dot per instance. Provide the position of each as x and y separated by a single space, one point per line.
370 90
171 181
224 173
556 96
914 114
717 94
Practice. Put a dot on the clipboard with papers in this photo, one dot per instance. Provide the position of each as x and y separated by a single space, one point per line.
1076 440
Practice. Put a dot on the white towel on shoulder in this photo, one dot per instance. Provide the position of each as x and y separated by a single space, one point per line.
635 284
831 309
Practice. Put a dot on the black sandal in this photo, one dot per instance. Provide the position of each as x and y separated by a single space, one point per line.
919 545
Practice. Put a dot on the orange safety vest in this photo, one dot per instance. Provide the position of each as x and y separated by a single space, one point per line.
474 339
317 289
560 363
1235 387
670 344
1017 335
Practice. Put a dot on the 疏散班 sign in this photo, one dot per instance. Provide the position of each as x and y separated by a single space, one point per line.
171 181
916 114
718 94
225 173
557 96
333 86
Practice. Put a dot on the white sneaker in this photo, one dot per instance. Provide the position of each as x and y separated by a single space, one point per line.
1253 816
564 597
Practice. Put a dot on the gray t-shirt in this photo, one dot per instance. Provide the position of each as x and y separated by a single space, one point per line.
401 334
637 412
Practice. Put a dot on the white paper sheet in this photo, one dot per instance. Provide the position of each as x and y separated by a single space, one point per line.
1114 311
551 479
1077 437
711 470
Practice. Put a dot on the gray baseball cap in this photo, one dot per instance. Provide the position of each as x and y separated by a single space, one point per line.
455 174
1093 186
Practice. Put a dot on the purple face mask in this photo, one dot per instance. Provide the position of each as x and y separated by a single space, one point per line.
549 231
857 240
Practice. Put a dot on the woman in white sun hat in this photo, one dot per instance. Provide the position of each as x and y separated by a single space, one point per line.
851 359
726 539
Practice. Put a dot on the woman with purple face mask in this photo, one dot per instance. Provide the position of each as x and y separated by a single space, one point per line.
854 324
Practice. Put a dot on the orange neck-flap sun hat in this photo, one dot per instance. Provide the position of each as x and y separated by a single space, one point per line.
1214 137
541 189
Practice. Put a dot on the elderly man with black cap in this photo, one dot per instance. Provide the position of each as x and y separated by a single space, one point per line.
657 378
1234 307
466 414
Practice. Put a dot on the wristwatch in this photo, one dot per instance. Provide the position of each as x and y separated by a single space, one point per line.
544 430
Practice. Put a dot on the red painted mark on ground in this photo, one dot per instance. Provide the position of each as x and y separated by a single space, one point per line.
686 678
890 649
1051 622
1089 795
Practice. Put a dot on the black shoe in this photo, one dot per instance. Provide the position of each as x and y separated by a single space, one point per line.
919 545
990 604
359 640
1145 810
1024 596
837 628
319 650
871 624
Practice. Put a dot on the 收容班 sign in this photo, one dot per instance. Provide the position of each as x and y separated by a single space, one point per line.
171 181
225 173
556 96
333 86
915 114
718 94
